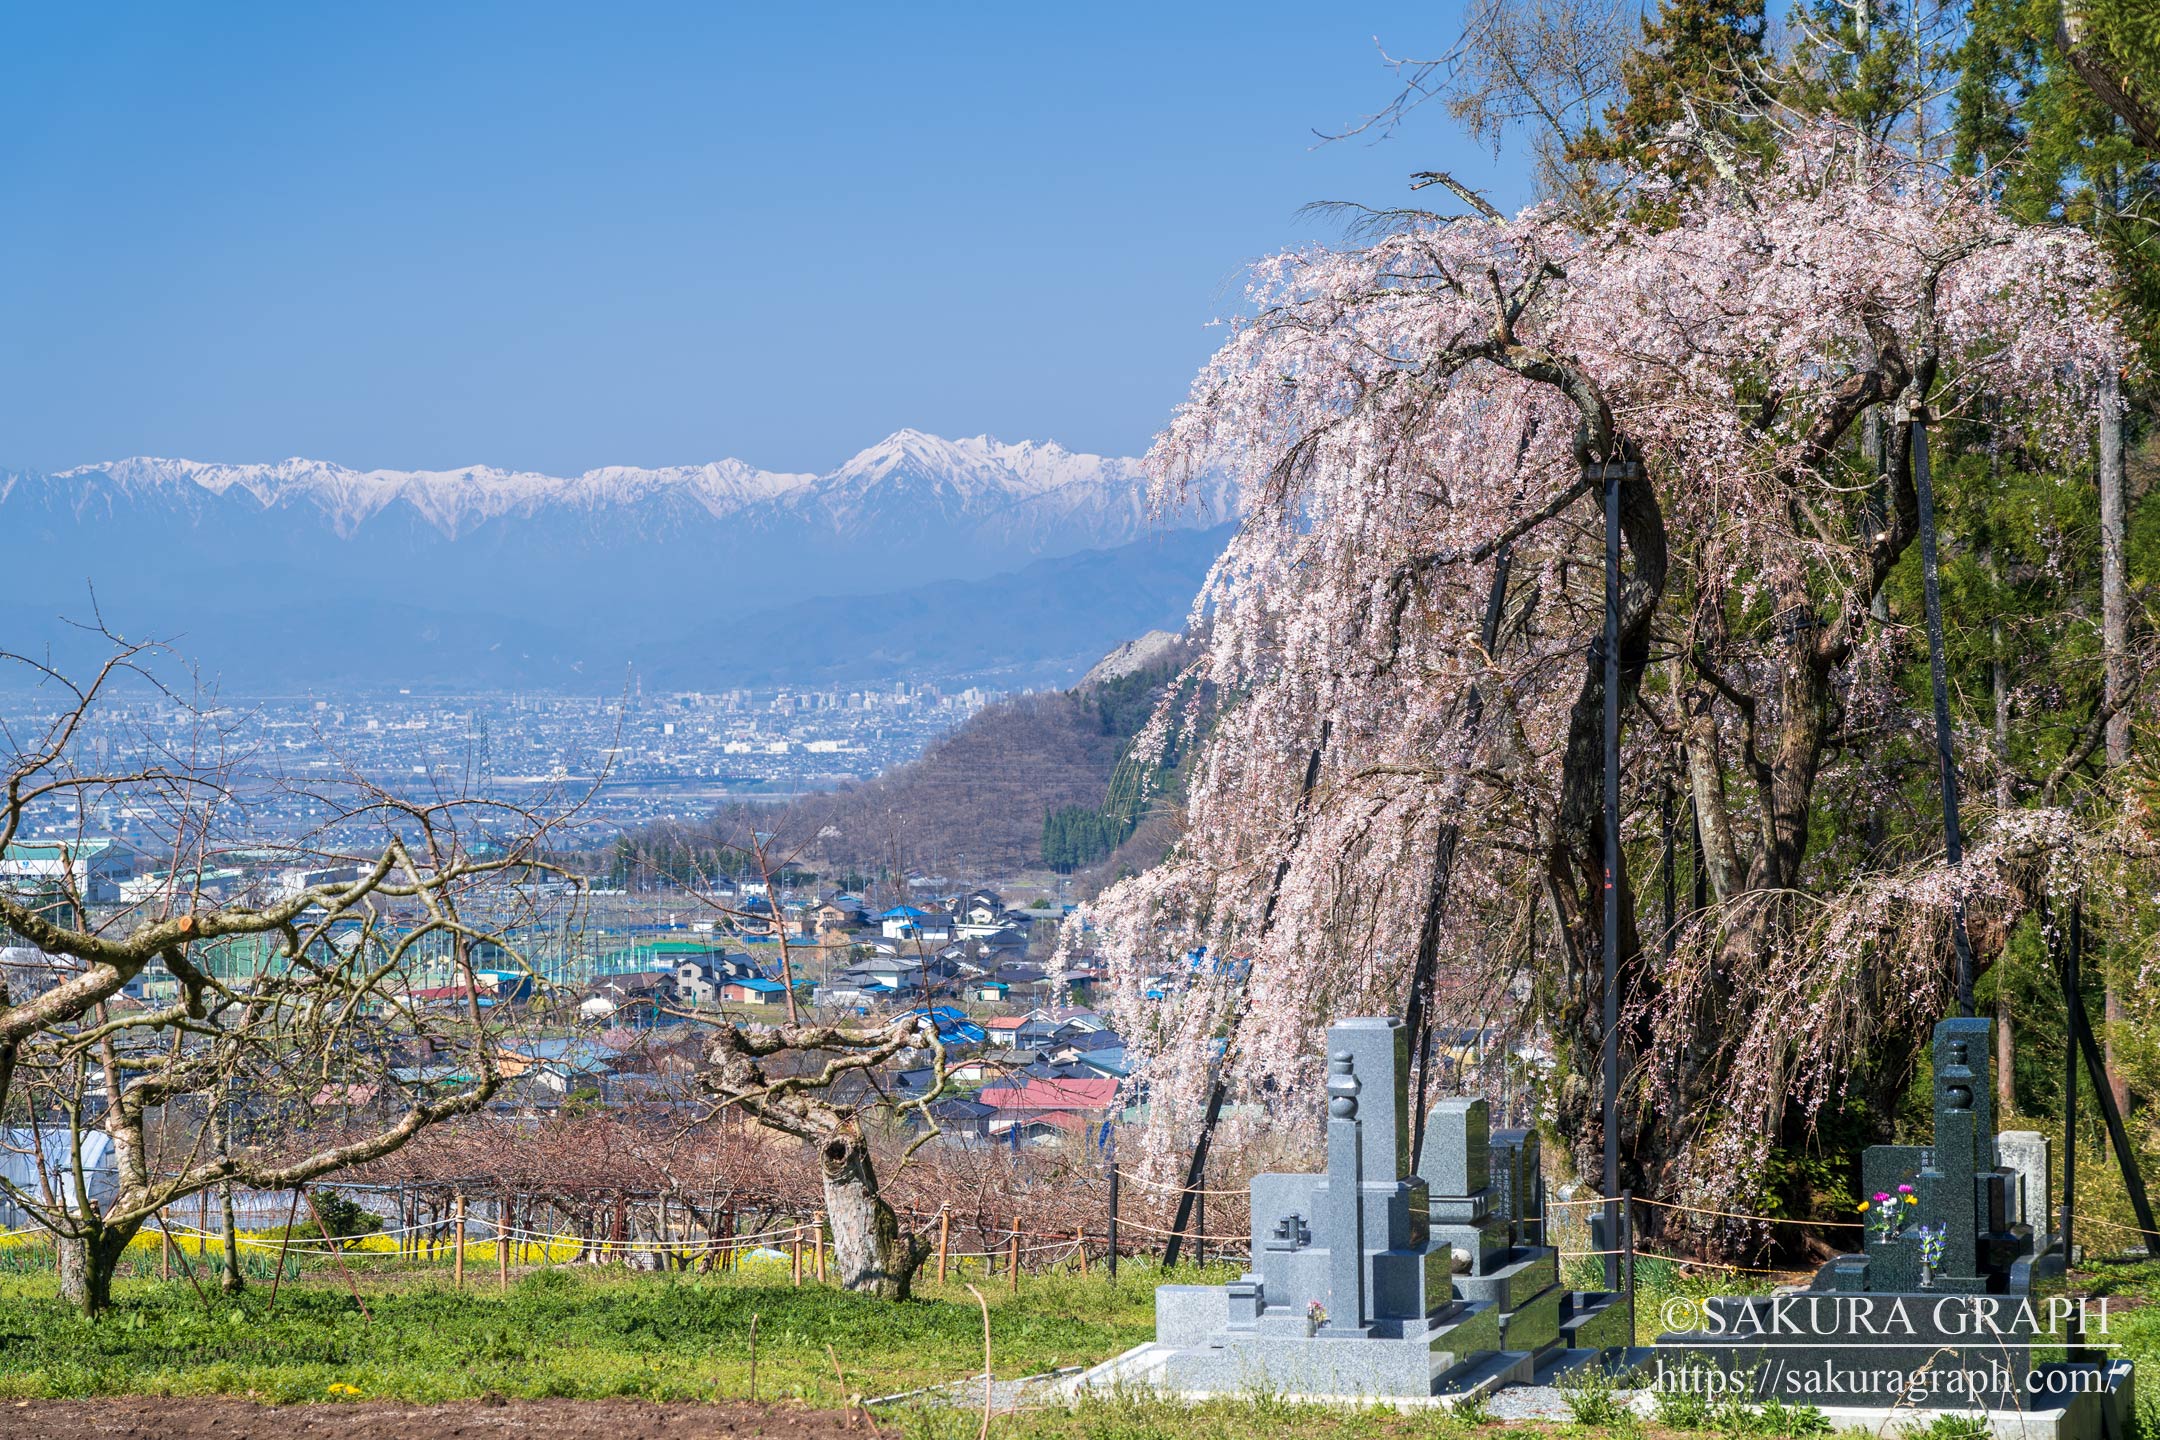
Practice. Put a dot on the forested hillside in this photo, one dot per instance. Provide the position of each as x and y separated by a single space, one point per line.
977 806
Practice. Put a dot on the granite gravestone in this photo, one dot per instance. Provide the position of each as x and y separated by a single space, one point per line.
1354 1290
1945 1304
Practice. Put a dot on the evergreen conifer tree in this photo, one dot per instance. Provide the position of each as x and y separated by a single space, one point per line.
1700 63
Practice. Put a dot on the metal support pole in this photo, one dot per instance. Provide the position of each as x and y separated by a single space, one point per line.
2104 1095
1611 945
1113 1216
1627 1227
2067 963
1200 1223
1945 752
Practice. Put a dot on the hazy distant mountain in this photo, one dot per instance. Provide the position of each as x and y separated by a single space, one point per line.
306 573
1044 624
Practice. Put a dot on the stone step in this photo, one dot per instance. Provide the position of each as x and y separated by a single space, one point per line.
1555 1365
1140 1368
1593 1320
1485 1374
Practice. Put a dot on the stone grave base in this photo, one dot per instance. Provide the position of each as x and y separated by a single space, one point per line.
1144 1369
2102 1415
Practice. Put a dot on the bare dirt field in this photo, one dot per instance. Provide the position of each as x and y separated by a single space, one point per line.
152 1418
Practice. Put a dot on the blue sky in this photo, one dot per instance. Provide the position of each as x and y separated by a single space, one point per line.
558 237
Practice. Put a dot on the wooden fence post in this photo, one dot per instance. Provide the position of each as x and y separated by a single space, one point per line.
795 1249
944 1240
1013 1263
457 1266
165 1250
1080 1246
502 1242
818 1240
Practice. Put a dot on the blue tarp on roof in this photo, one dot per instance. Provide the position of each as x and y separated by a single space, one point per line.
954 1027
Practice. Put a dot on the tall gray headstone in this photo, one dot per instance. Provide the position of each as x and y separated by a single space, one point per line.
1457 1156
2026 1154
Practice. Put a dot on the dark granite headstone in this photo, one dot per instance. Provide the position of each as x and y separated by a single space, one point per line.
1940 1310
1518 1184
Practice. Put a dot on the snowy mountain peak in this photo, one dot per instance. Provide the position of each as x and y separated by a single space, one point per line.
954 476
910 475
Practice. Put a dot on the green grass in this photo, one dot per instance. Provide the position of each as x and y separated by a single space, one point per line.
583 1333
596 1332
1136 1418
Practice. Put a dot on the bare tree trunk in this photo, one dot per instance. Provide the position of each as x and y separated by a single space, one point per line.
71 1259
2118 88
2005 1052
87 1266
231 1282
868 1247
2114 646
1706 783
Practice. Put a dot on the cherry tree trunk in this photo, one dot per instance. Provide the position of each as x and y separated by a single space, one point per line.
868 1247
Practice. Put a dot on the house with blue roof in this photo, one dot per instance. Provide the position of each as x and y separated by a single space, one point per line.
759 990
902 922
953 1026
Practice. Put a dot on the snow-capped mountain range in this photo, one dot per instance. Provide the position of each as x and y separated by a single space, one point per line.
268 572
1076 501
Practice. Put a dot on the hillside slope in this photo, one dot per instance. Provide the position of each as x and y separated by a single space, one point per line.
973 805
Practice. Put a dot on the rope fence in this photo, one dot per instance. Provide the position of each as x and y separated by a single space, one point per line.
669 1230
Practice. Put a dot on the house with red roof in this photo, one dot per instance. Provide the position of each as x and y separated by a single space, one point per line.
1046 1108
